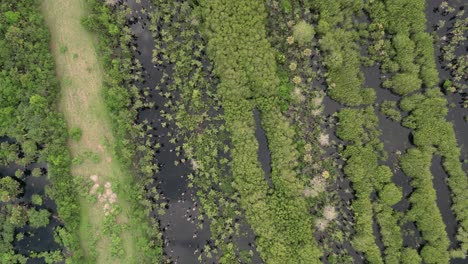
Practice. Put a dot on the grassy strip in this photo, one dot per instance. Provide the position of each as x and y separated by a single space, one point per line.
29 93
244 61
122 101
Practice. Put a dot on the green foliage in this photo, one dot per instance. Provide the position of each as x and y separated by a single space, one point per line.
38 218
93 156
78 160
28 106
36 199
388 108
410 256
403 83
50 257
249 71
412 50
63 49
390 194
236 35
359 127
9 189
36 172
18 216
427 118
12 17
284 91
286 6
303 32
427 112
424 210
342 59
75 133
447 85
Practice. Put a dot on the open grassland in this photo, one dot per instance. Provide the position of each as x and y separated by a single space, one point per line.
83 106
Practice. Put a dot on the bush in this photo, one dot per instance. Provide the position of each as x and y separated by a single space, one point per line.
75 133
388 108
390 194
36 172
9 189
286 6
403 83
359 128
38 218
235 32
303 32
36 199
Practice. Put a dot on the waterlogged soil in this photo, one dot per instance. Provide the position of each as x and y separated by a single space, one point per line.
183 240
342 184
456 111
35 239
179 222
395 137
455 115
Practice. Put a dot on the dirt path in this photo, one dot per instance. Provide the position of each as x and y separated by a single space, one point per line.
83 106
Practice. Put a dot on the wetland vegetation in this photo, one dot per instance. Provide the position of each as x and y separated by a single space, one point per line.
247 131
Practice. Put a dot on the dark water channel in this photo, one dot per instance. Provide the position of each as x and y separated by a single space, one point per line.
444 200
264 156
455 115
396 139
183 241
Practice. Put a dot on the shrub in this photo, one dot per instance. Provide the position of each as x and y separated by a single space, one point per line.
36 199
9 189
36 172
388 108
75 133
286 6
38 218
403 83
303 32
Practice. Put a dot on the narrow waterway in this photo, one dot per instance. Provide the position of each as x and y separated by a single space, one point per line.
264 156
183 240
456 111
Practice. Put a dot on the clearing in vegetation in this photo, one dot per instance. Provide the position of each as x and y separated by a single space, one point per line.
100 175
